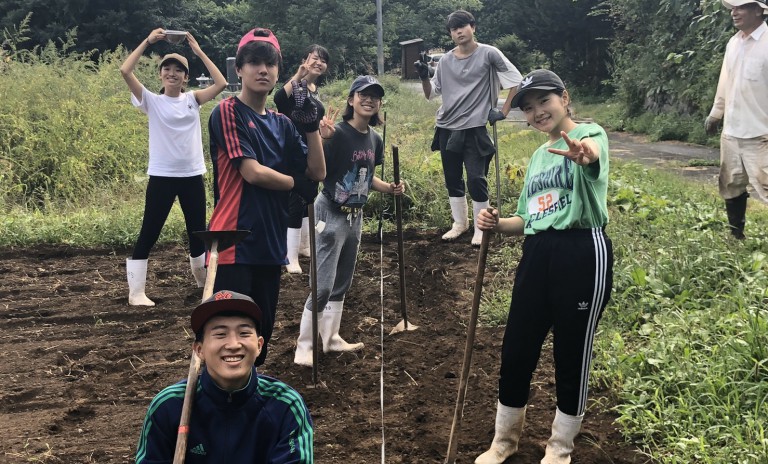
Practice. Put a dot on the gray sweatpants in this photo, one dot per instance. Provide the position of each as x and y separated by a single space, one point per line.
337 239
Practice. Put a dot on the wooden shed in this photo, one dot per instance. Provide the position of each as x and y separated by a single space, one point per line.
409 53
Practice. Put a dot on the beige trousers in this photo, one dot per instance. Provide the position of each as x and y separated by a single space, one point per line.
743 162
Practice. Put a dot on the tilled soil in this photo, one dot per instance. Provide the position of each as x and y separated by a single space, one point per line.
80 366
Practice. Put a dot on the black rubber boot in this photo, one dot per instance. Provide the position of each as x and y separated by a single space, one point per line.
737 210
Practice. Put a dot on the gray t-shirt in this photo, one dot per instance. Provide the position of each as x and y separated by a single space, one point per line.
468 86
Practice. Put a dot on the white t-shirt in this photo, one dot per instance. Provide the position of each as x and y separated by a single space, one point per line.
175 136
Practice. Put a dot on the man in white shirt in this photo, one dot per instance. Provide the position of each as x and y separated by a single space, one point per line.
741 103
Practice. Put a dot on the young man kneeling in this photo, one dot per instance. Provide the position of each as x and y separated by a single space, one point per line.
239 415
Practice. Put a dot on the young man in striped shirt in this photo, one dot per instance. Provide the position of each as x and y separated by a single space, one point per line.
258 157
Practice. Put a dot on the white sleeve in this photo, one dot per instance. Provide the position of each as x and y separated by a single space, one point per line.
192 100
143 105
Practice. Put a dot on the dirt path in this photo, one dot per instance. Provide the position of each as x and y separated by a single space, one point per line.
79 366
678 157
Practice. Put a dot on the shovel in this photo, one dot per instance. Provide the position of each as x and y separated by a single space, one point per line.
459 411
402 325
215 240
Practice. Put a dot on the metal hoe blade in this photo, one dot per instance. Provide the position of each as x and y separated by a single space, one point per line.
225 238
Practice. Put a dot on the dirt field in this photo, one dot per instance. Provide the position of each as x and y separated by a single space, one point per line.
79 366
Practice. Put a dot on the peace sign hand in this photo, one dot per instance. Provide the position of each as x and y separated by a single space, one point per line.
581 152
301 73
327 124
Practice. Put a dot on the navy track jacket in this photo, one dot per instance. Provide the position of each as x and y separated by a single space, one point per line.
266 422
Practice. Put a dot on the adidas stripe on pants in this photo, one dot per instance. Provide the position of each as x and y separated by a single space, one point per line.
563 283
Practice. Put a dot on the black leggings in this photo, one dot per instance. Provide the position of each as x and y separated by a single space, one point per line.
161 193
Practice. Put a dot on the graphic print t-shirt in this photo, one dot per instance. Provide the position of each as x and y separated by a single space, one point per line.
559 194
350 159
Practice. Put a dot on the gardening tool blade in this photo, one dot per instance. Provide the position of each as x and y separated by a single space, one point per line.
226 238
403 326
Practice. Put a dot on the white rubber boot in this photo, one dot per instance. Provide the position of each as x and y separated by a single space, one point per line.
304 242
197 265
509 427
293 266
329 330
460 222
560 444
478 206
303 355
136 269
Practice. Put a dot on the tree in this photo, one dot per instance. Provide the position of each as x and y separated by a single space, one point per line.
574 35
667 53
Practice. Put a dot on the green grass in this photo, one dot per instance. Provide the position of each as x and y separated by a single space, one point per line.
685 338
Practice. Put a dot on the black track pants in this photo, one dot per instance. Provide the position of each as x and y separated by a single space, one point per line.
563 283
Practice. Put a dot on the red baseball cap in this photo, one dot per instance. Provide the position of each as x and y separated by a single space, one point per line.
225 301
259 34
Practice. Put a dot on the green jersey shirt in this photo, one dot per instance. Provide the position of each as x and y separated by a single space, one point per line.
559 194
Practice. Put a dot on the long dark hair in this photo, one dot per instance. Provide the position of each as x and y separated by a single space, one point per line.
321 51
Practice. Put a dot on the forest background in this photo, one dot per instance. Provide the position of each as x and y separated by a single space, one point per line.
658 59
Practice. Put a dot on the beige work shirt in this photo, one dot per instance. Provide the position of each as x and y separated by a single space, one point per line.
742 91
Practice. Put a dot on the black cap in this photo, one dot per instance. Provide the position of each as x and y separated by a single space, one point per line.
365 82
225 301
540 79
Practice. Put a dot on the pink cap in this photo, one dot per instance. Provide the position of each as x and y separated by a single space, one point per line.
250 36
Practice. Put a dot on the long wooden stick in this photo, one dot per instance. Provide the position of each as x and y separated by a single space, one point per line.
498 174
459 411
313 282
194 366
400 246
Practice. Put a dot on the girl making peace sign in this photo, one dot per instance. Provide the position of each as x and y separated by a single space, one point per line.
565 274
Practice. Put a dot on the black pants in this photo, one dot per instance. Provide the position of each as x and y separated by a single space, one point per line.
161 193
563 282
262 283
297 210
454 164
